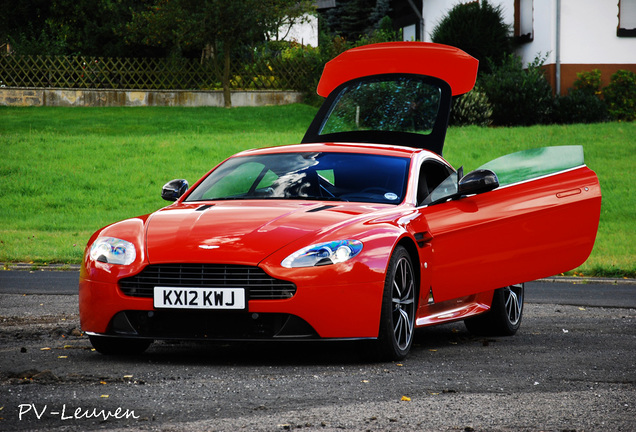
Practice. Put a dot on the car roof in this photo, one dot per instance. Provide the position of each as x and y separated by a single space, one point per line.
378 149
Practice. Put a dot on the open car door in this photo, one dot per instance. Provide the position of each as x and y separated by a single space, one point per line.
540 221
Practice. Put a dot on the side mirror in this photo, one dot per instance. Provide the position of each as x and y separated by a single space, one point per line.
478 181
174 189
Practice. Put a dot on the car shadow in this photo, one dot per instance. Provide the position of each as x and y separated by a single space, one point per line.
317 352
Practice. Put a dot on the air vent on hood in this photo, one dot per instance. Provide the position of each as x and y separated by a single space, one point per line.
205 207
321 208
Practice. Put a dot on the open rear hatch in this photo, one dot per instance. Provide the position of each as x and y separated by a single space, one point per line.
391 93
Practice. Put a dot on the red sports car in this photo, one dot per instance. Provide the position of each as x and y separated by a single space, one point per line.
362 231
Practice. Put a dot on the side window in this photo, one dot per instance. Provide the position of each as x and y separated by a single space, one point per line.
432 174
446 189
513 168
530 164
626 18
326 175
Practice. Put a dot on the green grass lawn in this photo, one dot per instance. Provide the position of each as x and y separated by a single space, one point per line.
65 172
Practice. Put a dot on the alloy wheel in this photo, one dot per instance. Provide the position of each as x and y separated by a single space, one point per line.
403 303
513 302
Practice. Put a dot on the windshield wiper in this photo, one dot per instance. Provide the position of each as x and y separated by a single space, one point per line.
311 198
295 198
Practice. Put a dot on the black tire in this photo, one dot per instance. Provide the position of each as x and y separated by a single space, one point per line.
119 346
504 316
399 304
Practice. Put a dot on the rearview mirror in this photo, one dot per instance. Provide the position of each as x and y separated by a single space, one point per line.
174 189
478 181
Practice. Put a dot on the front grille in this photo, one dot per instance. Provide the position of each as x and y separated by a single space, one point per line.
258 284
203 325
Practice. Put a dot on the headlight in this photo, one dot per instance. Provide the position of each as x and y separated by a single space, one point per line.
323 254
113 251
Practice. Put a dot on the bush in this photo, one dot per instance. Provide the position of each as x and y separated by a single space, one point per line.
583 103
472 108
519 97
589 82
479 29
292 65
384 33
620 95
579 106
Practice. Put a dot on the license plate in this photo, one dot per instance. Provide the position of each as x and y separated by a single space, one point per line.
199 298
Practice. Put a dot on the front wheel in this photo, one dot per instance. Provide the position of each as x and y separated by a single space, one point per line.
397 320
504 316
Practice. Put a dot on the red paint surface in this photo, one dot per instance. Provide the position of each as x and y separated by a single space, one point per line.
473 245
441 61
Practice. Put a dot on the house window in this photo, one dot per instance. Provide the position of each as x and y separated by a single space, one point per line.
626 18
524 20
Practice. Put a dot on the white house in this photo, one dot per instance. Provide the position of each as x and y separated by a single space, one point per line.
576 35
304 31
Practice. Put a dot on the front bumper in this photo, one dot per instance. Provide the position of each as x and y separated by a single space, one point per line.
325 310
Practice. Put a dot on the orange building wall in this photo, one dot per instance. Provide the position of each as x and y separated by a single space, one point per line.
569 71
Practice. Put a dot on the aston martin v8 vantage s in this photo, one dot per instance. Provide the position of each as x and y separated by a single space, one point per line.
362 231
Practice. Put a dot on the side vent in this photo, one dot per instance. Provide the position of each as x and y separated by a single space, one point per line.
423 238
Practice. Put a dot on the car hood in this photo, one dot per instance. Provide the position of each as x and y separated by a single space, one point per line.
239 232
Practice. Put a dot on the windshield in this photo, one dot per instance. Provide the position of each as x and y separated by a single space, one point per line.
314 176
396 104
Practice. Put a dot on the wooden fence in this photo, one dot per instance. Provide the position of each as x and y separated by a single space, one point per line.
153 73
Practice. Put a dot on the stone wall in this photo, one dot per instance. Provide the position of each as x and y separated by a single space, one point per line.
15 96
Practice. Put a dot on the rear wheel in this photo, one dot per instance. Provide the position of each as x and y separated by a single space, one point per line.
399 303
504 316
119 346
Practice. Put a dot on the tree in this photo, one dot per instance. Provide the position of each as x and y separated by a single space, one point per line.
287 16
477 28
78 27
212 25
23 24
519 96
352 19
96 28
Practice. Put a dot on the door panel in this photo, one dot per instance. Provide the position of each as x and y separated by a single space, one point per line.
513 234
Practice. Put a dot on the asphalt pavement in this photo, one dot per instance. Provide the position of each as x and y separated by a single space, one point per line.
570 367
